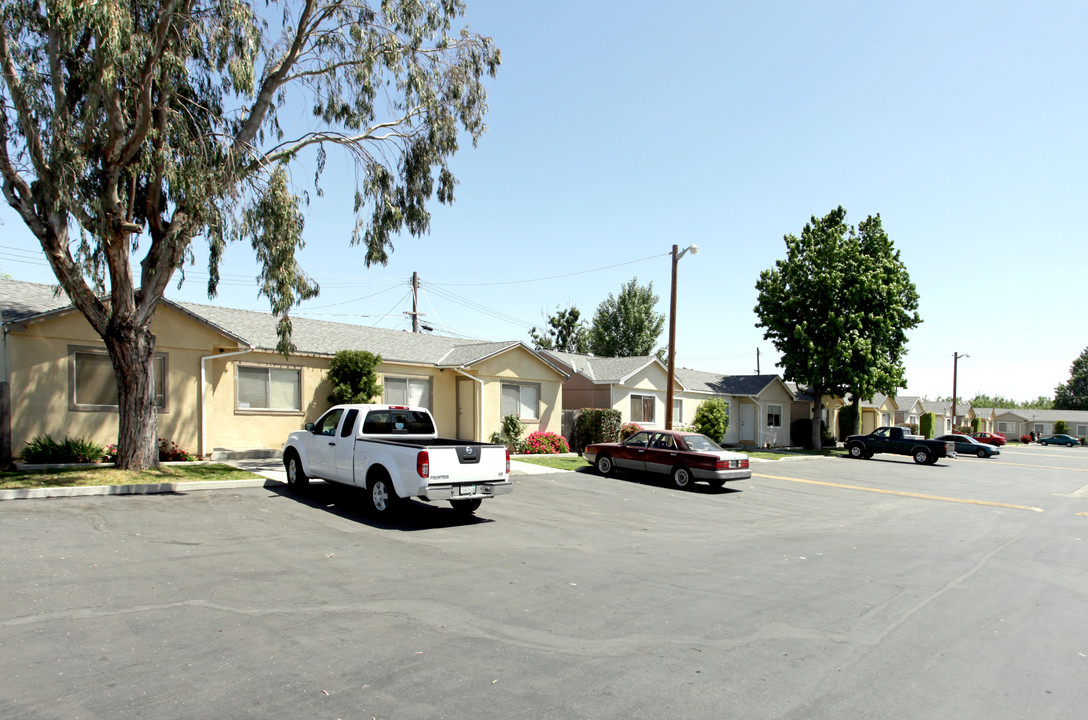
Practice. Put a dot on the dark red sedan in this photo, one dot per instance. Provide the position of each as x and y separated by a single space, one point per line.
686 457
989 438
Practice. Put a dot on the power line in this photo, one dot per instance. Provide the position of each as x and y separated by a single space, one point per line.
556 277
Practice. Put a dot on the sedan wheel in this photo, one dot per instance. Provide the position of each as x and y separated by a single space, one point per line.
681 477
1043 443
1069 444
604 465
982 453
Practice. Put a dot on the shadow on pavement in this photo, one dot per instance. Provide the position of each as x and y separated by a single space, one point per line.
350 504
699 488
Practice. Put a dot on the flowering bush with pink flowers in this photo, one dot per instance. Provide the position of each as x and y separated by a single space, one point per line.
628 430
545 443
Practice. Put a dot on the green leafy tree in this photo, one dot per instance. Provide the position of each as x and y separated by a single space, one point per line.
143 124
354 376
565 332
1073 395
1061 427
627 325
880 304
837 309
712 418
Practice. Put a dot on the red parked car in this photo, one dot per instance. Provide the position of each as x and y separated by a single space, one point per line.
989 438
684 456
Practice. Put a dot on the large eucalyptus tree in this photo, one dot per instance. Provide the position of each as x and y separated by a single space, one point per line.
130 127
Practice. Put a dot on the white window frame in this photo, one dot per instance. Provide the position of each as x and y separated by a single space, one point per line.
642 408
239 368
772 412
1082 430
160 370
408 381
677 411
1006 428
534 413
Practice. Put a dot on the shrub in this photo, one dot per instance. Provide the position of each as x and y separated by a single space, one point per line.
683 427
1083 440
44 449
1025 439
712 418
510 433
926 423
170 452
1061 427
976 423
595 425
353 375
543 442
628 430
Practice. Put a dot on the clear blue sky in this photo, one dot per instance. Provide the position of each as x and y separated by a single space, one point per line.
620 128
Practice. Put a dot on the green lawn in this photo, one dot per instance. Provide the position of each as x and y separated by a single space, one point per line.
108 475
552 461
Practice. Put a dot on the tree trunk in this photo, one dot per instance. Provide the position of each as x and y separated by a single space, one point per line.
131 349
817 418
855 403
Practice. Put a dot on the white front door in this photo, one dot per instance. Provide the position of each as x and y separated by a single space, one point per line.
748 423
466 409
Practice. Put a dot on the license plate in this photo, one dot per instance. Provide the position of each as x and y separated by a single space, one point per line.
466 490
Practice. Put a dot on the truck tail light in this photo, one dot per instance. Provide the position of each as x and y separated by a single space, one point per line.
423 464
507 461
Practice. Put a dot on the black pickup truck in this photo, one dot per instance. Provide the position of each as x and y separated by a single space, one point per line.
899 441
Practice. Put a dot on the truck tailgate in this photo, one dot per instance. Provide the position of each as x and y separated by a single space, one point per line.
467 464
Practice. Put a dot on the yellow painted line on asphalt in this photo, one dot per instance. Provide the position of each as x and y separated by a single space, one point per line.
1082 514
901 493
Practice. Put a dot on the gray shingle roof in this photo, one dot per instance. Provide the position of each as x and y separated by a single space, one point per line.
698 381
21 301
1047 416
602 370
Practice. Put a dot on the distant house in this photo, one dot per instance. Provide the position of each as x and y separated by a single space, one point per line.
986 418
220 384
878 412
942 412
759 405
803 401
909 410
637 387
1014 422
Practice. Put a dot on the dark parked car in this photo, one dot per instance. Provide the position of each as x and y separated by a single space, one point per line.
966 445
990 438
686 457
1066 440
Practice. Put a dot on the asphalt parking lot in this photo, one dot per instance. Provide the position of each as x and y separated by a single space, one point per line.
820 588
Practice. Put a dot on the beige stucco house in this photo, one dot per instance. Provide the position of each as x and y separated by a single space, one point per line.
220 384
759 405
1013 423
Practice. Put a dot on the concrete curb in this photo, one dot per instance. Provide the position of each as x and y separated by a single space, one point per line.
148 489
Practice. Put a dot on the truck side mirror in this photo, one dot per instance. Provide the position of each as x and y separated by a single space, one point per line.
308 427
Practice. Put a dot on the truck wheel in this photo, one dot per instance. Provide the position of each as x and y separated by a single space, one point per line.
856 451
296 476
382 496
466 507
922 456
681 477
604 465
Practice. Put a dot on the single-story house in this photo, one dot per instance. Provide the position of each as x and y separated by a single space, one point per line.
760 406
803 402
942 411
878 412
220 384
1015 422
909 410
637 387
986 418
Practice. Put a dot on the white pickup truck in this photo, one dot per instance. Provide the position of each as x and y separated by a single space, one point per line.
394 452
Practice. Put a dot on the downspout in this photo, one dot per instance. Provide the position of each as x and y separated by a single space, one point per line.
204 391
759 424
480 414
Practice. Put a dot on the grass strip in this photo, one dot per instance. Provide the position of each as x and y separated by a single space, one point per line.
108 475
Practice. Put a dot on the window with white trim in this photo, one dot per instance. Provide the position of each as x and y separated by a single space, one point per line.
677 411
1005 428
264 387
93 384
774 416
1082 430
521 399
411 391
643 408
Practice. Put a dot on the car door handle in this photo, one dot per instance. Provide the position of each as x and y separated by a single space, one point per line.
332 444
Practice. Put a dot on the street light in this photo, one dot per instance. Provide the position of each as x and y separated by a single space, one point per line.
677 253
955 369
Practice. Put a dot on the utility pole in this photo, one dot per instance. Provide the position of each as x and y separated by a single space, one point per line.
757 361
955 367
415 303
